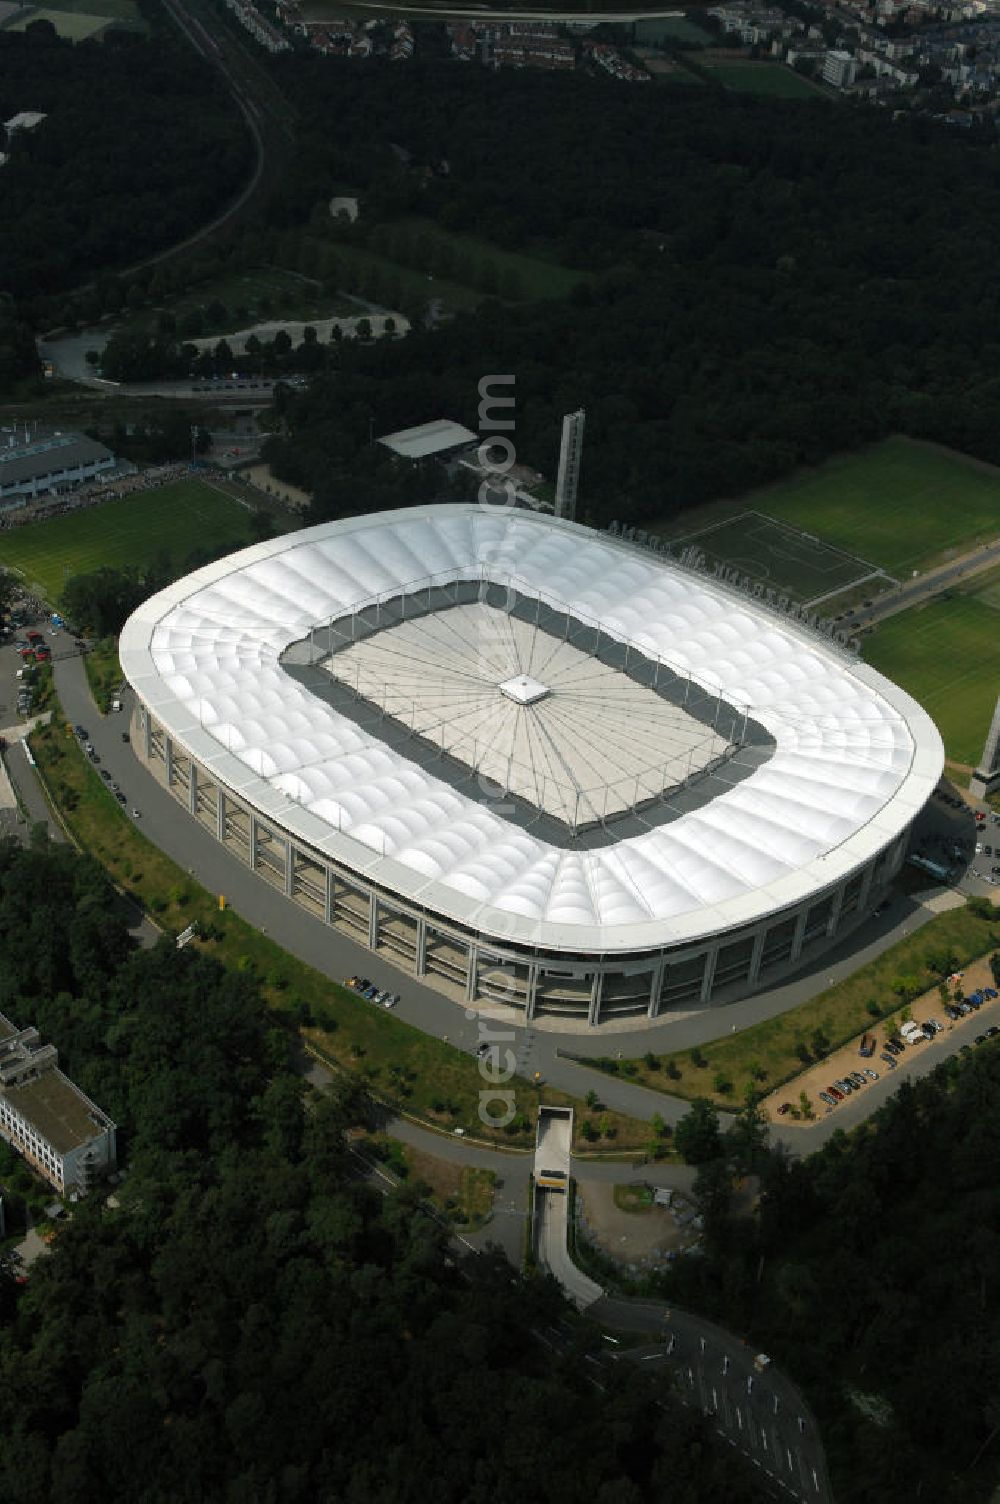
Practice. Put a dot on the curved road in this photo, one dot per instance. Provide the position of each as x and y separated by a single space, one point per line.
336 955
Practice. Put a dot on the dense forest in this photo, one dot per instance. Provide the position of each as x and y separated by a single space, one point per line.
252 1321
141 144
770 281
872 1274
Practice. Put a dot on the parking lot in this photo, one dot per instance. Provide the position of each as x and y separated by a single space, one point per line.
953 1035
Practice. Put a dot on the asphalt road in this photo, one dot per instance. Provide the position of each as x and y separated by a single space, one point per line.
760 1413
338 956
924 587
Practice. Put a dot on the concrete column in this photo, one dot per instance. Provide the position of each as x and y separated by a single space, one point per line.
147 733
471 972
420 955
755 958
800 933
192 787
866 886
656 983
289 869
253 844
596 993
328 895
372 922
168 760
838 904
531 992
708 977
220 813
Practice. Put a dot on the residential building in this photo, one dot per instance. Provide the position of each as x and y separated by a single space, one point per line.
839 69
48 1120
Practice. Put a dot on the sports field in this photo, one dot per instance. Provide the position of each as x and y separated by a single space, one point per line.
173 519
772 80
947 655
903 505
785 558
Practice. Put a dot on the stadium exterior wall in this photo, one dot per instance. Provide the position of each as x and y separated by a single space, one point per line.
583 989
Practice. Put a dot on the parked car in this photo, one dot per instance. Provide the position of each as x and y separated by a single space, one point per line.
784 1108
121 798
391 999
980 1038
889 1060
872 1075
992 1031
826 1097
836 1093
991 993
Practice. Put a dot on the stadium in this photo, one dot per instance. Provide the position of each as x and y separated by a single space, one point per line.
527 762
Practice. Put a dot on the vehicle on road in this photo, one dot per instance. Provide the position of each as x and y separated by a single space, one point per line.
825 1096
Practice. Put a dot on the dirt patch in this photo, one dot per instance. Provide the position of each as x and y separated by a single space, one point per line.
639 1237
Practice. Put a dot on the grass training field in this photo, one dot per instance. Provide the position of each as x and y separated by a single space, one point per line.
772 80
174 519
904 505
787 559
947 655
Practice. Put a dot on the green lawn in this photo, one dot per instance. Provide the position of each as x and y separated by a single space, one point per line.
537 276
772 80
175 519
903 505
947 655
255 296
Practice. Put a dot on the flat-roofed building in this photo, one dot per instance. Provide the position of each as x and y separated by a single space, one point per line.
48 1120
58 462
428 439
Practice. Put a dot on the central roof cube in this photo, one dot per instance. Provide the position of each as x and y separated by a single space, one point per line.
524 690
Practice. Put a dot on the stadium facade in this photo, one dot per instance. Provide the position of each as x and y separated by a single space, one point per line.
528 762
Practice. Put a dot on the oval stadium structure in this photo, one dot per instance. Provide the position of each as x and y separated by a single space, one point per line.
529 762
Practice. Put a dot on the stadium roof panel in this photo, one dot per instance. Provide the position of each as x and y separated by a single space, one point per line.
854 758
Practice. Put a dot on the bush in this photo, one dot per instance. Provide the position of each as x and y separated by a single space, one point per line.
651 1061
673 1070
697 1058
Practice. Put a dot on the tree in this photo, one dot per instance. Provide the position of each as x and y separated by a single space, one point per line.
747 1137
697 1134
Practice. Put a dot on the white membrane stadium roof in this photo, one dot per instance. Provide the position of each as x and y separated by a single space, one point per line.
855 757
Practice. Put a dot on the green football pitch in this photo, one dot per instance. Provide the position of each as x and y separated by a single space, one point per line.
905 506
947 655
173 519
786 559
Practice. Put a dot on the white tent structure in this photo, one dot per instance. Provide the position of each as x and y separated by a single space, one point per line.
789 851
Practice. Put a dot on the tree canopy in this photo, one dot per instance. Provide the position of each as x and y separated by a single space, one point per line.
248 1319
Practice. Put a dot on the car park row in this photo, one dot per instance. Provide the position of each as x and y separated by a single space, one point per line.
374 994
912 1034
